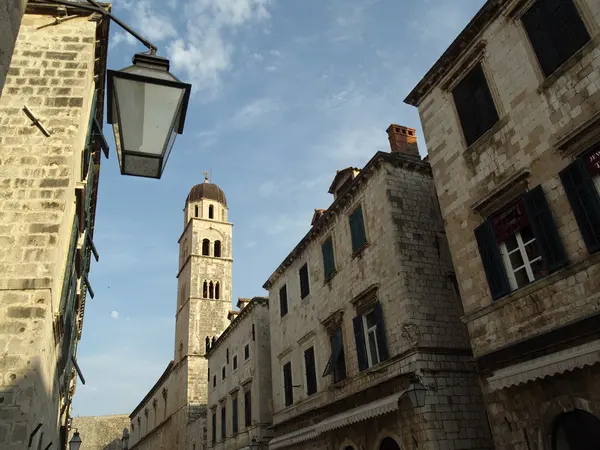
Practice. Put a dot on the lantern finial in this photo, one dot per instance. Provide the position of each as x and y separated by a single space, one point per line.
205 173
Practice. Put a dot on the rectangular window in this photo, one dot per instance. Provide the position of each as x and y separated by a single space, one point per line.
328 260
283 302
287 384
246 352
357 230
520 244
234 415
226 356
474 103
214 426
337 360
223 373
248 408
304 287
311 371
369 334
234 362
556 32
581 181
223 421
214 380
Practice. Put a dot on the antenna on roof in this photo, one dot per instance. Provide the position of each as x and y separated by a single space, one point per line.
205 173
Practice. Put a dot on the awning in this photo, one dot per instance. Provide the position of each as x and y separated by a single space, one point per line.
304 434
364 412
548 365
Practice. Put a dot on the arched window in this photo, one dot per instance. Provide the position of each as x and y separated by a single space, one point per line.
389 444
196 211
217 290
223 215
211 291
218 249
205 290
205 247
211 212
576 430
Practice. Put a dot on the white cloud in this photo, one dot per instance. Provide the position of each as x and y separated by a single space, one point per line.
254 111
114 314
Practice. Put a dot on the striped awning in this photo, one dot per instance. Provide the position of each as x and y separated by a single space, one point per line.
548 365
296 437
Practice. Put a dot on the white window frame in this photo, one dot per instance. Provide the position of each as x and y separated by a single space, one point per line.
305 347
510 272
366 332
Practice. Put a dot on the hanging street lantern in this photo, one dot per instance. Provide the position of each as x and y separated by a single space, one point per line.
416 394
146 107
75 441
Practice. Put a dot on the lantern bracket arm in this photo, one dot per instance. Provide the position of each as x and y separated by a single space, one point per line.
97 8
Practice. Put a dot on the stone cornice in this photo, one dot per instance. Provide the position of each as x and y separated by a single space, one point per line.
396 159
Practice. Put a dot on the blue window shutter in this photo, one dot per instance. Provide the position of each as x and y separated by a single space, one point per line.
544 229
357 229
359 337
328 261
492 260
585 202
381 339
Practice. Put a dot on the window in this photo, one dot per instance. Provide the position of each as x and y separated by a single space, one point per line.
211 212
311 371
218 249
211 290
234 414
337 361
234 362
223 373
246 352
214 426
248 408
283 303
304 287
369 333
520 244
223 421
328 261
474 104
555 30
357 230
196 211
288 392
205 289
217 290
214 380
581 181
227 356
205 247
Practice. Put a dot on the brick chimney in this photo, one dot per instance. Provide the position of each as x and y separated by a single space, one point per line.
403 140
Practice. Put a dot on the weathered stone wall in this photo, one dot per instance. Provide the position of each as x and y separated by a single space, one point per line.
407 258
52 73
535 114
253 374
11 13
100 432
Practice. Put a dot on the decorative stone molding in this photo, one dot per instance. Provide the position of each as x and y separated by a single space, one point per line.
508 190
333 321
366 299
411 332
581 138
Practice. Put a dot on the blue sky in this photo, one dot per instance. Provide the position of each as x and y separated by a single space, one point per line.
285 92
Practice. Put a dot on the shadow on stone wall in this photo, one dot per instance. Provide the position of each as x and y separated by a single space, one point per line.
115 444
100 432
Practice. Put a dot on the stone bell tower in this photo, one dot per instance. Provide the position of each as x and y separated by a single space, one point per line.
204 290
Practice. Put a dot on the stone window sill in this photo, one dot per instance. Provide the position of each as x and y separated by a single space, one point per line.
551 79
358 252
329 278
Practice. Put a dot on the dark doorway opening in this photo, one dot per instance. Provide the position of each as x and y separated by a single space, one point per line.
576 430
389 444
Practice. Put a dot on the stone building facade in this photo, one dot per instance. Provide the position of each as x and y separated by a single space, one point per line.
364 305
511 116
239 373
173 414
100 432
11 13
48 185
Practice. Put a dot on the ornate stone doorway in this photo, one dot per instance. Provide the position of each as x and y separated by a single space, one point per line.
576 430
390 444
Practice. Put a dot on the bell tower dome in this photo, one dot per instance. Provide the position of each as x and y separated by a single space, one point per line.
204 286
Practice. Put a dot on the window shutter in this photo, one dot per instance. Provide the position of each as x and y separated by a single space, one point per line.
304 287
283 305
357 230
248 408
328 261
336 348
69 267
585 202
492 260
311 375
234 414
287 384
544 229
89 142
214 427
359 337
381 339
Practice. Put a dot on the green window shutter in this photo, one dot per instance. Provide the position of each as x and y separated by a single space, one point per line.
234 415
283 303
88 195
89 141
492 260
69 264
304 285
357 230
544 229
585 202
361 349
310 371
328 260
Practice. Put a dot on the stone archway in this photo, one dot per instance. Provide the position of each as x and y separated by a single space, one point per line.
576 430
390 444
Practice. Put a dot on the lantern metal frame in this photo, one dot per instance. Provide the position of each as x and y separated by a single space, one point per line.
75 444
